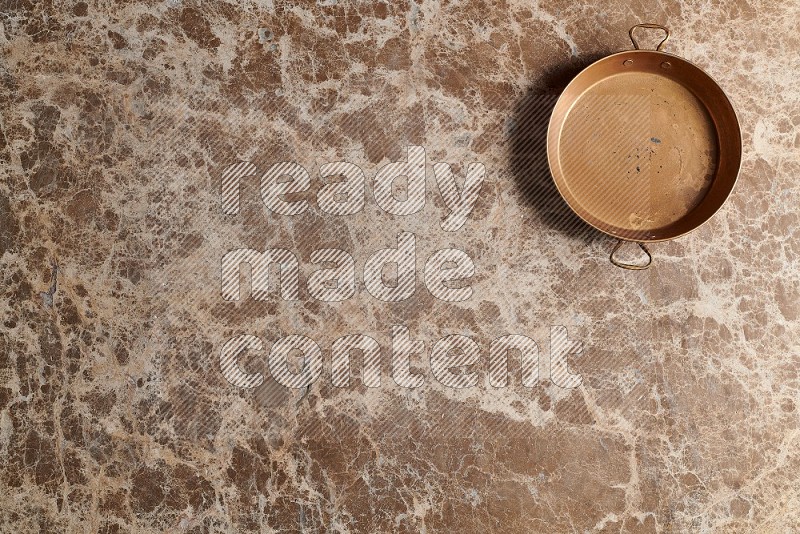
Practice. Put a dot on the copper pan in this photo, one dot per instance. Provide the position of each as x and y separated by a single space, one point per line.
644 146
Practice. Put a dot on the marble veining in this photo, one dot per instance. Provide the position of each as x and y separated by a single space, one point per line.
118 121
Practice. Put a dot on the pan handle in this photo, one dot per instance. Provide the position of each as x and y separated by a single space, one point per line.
651 26
631 266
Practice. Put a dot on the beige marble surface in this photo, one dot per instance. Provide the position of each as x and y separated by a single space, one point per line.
118 121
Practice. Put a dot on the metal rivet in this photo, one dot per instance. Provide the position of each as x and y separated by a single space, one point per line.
628 62
666 65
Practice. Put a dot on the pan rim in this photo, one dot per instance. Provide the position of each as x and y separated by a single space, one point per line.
736 122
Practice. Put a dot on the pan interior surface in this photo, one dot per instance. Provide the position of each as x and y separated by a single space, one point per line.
639 151
644 145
